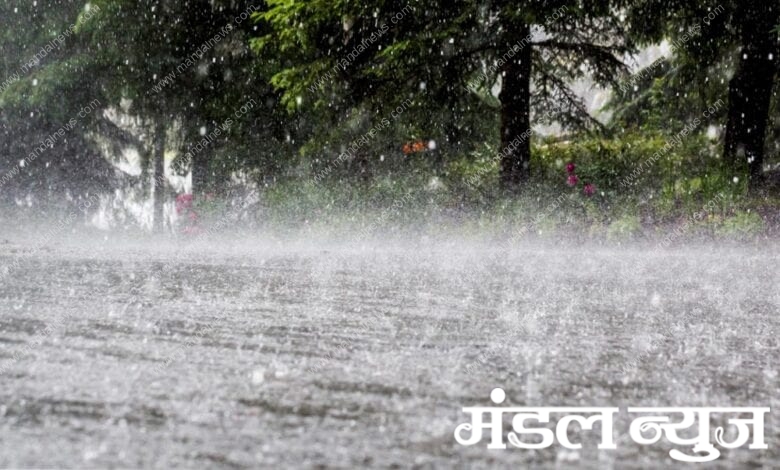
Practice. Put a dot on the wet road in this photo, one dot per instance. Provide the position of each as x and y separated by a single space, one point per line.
284 357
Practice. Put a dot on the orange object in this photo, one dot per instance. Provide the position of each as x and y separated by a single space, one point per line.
415 147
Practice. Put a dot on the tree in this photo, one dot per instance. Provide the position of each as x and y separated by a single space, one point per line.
39 67
750 89
182 68
131 73
731 42
444 55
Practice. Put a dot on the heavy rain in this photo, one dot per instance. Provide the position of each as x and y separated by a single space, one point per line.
488 234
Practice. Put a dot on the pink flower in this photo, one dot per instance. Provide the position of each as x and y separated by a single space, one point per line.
183 202
570 168
589 189
572 180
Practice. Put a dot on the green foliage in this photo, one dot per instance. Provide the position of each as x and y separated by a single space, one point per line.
742 224
360 56
632 164
323 74
624 228
708 40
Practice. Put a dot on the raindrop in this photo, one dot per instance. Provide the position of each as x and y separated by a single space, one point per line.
258 376
497 395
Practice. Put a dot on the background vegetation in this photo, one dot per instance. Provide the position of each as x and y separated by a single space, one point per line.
382 113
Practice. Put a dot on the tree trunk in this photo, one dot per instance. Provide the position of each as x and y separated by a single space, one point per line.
515 100
750 92
159 175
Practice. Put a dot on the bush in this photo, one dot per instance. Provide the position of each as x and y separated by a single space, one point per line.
637 184
741 224
626 227
630 163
